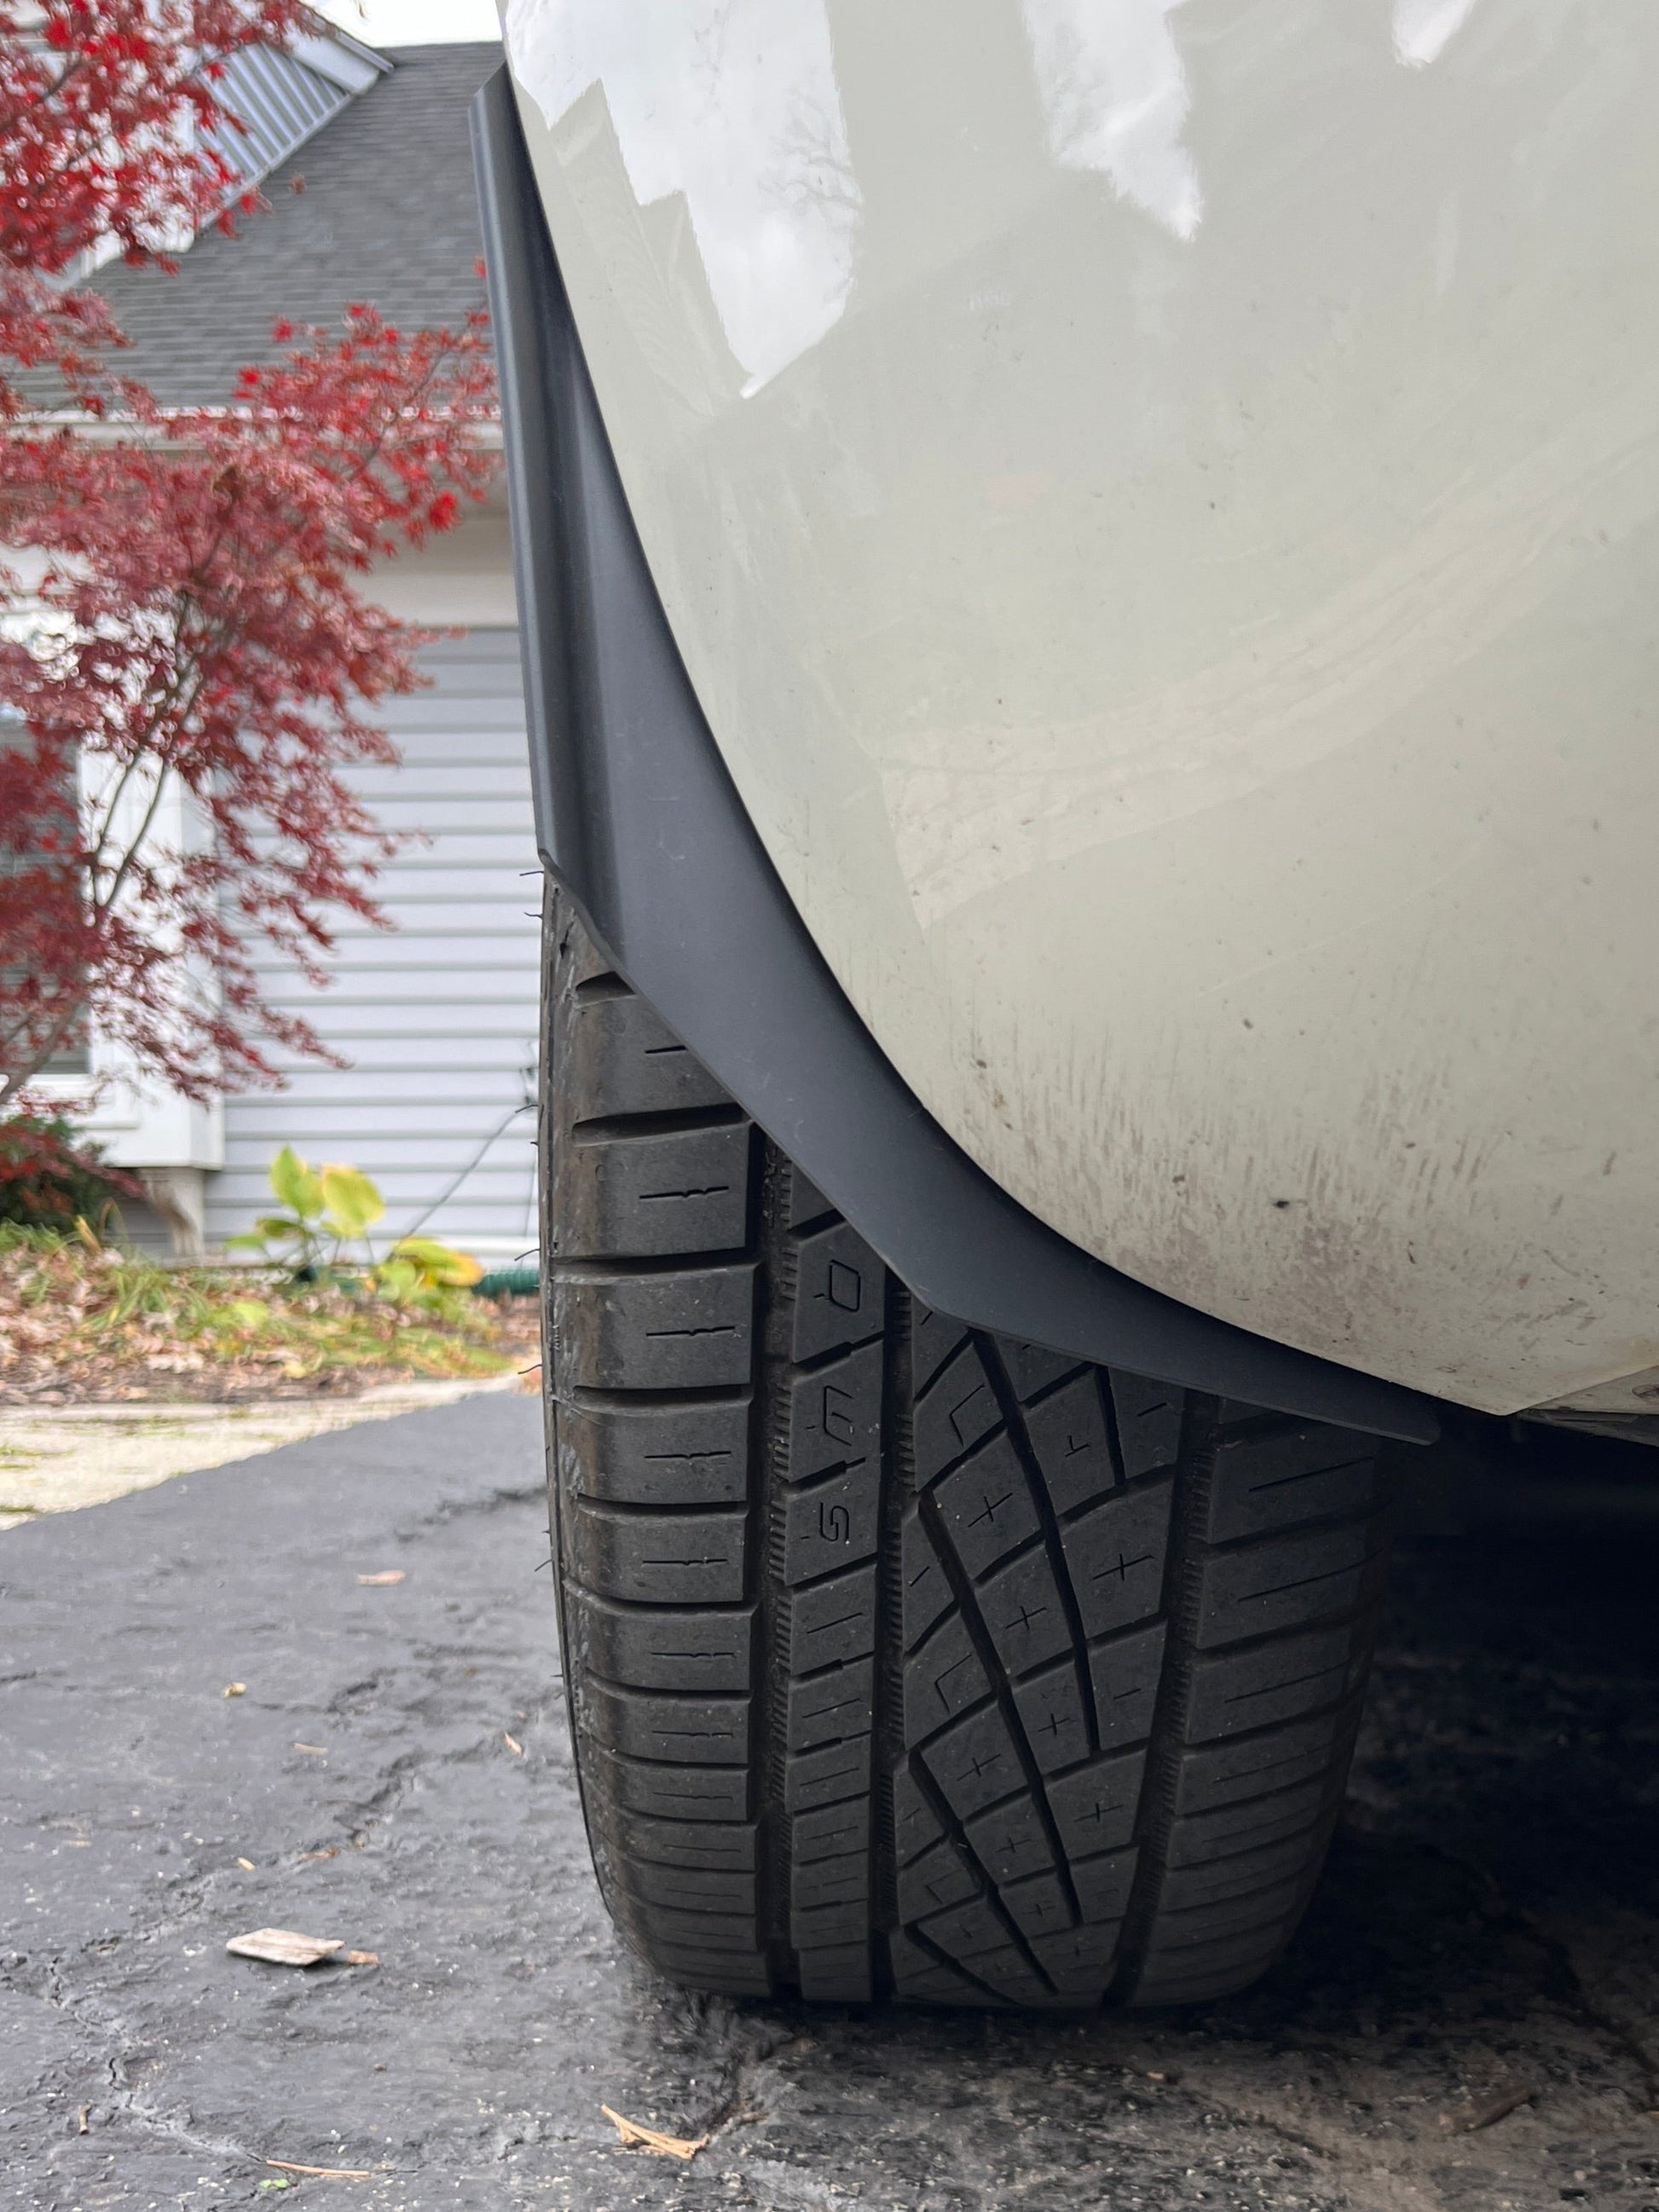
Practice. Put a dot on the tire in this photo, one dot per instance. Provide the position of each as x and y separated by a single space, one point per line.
903 1660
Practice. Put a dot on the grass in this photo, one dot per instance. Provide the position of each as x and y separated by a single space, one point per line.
86 1320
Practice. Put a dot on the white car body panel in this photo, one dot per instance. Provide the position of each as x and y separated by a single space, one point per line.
1158 506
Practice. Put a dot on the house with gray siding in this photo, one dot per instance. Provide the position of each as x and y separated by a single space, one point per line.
364 158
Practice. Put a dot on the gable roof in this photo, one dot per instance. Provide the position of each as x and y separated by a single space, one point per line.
386 214
283 95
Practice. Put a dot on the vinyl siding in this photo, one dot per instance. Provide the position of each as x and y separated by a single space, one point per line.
437 1018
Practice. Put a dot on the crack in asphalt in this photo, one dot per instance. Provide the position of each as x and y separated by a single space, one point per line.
103 2025
1569 1989
1577 1998
738 2109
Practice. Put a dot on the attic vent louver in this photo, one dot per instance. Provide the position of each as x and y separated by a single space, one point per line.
281 100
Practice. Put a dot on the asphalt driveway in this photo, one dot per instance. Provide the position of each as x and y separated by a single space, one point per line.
396 1774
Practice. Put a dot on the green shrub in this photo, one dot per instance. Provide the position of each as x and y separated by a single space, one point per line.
326 1211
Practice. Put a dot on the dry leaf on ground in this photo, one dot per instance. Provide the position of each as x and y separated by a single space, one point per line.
314 1750
384 1580
236 1689
362 1958
323 2172
248 1864
283 1946
513 1744
636 2137
1465 2119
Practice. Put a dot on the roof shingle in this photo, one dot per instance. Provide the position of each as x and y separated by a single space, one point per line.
386 214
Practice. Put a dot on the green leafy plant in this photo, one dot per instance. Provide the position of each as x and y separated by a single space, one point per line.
325 1210
329 1210
418 1271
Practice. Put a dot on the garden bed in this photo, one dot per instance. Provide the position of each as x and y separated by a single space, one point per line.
83 1323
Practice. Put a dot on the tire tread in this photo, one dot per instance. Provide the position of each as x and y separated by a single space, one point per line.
905 1660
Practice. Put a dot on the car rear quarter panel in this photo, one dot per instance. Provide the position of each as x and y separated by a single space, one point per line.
1157 505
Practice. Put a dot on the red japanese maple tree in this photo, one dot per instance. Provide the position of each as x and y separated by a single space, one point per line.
110 130
191 641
